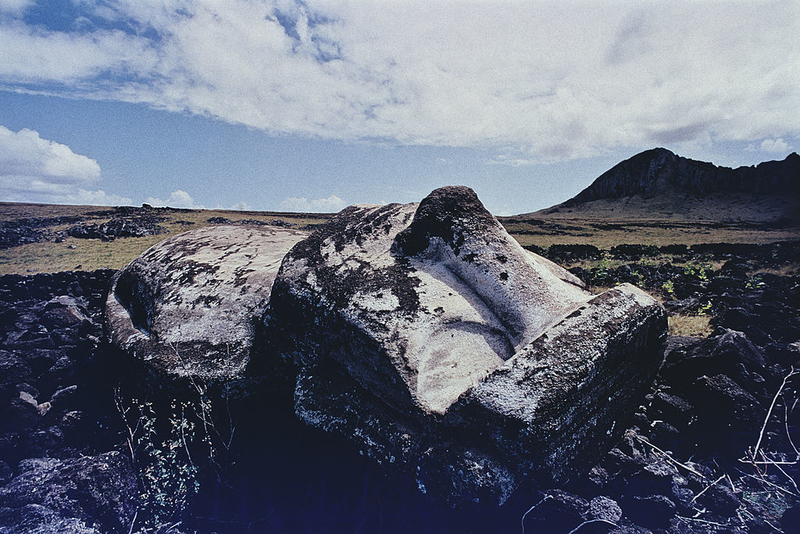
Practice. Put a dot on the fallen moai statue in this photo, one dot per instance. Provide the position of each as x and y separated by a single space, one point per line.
423 333
428 336
188 306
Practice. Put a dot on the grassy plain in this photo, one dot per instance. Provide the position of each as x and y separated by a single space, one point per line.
89 254
602 230
536 229
606 233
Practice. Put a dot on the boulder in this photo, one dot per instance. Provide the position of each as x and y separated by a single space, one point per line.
188 306
430 337
93 490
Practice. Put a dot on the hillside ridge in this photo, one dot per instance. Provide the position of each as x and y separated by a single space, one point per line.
658 171
658 183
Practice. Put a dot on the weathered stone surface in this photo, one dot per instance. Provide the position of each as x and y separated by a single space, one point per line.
50 494
564 393
188 305
427 335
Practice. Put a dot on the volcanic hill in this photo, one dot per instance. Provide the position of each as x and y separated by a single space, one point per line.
659 184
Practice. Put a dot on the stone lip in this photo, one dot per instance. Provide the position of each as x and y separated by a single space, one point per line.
427 335
188 306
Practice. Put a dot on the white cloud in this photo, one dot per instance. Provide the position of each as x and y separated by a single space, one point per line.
775 145
512 161
242 206
15 7
546 80
177 199
97 198
33 169
321 205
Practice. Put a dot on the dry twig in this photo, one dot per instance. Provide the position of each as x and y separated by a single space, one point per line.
786 378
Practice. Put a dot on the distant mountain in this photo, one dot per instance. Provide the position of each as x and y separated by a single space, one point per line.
658 182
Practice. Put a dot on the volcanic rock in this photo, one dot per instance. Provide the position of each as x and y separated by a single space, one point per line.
188 306
428 336
49 494
141 226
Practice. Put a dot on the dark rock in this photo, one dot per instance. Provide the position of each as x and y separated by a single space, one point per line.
617 460
37 519
605 508
683 497
682 306
675 250
667 435
86 231
725 284
654 511
790 520
138 226
598 477
570 253
21 235
188 306
724 408
132 227
19 414
672 408
44 442
655 478
18 232
74 426
62 396
633 251
719 354
63 312
559 511
5 473
97 490
13 370
720 499
736 267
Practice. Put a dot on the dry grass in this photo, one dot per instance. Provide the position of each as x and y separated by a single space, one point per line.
528 230
90 254
607 233
690 325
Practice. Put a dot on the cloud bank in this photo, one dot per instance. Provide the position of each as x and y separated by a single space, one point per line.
777 146
546 81
39 170
177 199
331 204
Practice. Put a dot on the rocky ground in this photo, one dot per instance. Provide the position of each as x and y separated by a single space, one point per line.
86 447
122 222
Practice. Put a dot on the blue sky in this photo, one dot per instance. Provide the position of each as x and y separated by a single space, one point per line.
284 105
